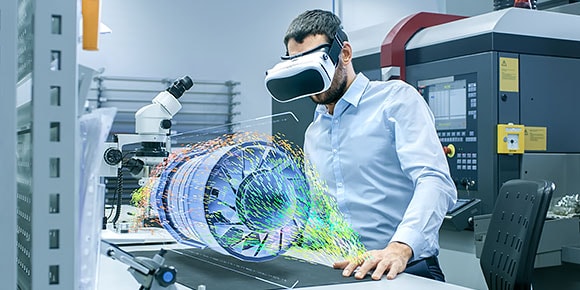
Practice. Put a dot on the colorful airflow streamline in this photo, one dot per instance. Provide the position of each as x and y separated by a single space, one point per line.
247 195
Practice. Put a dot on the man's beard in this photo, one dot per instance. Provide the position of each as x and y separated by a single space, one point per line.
336 90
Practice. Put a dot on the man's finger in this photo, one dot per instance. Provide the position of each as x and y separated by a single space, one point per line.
380 270
340 265
365 268
349 269
393 271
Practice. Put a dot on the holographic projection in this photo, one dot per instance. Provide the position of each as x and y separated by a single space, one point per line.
248 195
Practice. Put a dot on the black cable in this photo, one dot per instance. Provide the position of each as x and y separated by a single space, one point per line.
112 206
119 194
115 195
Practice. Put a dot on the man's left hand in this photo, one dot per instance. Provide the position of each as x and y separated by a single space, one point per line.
392 259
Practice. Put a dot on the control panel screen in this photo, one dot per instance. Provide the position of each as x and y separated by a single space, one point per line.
447 102
453 101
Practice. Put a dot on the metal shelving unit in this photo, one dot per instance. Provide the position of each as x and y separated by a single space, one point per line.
8 60
47 170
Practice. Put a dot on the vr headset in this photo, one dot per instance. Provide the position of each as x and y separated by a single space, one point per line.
305 74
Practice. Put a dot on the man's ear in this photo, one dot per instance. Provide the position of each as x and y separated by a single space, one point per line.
346 52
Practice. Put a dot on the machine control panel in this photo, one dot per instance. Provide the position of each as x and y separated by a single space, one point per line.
453 101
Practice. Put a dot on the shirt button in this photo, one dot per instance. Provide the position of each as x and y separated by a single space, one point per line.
339 184
335 121
334 151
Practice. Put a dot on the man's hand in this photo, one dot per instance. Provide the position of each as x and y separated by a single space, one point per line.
393 259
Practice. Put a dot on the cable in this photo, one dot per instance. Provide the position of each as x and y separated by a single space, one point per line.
106 217
119 193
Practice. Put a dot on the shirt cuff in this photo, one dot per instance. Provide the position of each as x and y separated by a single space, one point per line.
412 238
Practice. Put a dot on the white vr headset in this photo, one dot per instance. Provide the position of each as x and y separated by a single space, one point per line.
306 73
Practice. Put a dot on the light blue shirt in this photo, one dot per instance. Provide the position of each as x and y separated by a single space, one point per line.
381 158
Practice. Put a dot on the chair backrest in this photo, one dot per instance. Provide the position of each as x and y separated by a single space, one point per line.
511 243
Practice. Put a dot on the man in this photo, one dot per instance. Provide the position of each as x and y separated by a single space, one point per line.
375 146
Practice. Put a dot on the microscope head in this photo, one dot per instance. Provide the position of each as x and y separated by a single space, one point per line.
156 118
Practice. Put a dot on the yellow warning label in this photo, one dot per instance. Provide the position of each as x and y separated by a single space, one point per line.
508 74
536 138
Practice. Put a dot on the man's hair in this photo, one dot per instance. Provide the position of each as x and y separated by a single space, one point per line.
313 22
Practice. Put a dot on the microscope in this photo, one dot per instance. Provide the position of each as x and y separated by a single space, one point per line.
152 128
152 125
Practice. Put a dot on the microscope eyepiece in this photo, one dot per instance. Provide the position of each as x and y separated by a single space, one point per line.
180 86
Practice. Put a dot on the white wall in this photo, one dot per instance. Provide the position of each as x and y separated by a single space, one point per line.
468 7
357 14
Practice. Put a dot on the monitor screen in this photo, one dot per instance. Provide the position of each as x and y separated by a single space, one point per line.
448 103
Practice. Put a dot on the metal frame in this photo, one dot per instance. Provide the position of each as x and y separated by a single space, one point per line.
48 249
8 68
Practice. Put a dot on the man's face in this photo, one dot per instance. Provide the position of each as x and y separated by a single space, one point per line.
338 86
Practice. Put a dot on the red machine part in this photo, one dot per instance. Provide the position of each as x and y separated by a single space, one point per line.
393 47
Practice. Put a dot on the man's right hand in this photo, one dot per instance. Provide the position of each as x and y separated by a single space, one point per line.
392 259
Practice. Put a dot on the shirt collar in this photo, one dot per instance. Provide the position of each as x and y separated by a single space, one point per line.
356 89
352 95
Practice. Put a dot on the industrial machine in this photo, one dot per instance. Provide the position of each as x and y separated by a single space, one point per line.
493 82
502 89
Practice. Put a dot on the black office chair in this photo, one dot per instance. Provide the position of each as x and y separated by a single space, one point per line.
511 243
